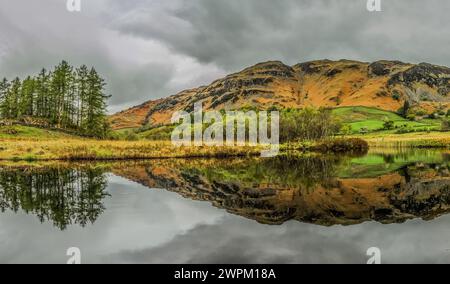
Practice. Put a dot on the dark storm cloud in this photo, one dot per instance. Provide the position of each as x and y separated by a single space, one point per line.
237 33
148 49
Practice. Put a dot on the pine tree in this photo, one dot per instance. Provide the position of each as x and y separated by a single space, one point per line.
82 88
65 98
12 99
42 86
95 122
60 91
26 98
4 88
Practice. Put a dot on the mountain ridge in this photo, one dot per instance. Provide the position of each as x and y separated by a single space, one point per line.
382 84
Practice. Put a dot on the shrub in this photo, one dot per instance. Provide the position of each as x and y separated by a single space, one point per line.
421 112
411 117
364 130
388 125
308 124
405 129
145 127
131 136
346 129
343 145
445 125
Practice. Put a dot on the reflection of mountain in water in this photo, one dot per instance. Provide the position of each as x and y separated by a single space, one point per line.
62 195
313 189
273 191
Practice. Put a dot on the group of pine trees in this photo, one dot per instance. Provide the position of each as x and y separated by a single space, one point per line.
66 98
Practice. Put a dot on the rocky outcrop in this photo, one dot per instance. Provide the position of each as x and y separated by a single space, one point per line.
435 77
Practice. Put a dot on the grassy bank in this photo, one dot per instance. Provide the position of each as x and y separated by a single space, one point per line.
20 132
409 140
85 149
21 143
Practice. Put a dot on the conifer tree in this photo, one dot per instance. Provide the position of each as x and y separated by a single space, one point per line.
60 87
26 98
96 105
66 98
4 88
12 99
42 89
82 88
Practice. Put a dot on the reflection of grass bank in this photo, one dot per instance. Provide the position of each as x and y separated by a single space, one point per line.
341 145
383 161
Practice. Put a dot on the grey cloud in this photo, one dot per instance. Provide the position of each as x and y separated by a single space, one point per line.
149 81
236 33
39 34
166 46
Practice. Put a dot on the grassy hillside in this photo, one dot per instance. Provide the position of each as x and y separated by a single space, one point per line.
358 118
18 132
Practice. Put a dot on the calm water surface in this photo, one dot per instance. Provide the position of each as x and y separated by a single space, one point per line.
308 209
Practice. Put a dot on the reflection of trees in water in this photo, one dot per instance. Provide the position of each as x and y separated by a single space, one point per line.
63 196
302 171
283 171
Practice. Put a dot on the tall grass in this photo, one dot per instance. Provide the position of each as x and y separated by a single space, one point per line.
79 149
411 140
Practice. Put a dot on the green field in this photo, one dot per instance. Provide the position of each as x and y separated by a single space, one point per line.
373 120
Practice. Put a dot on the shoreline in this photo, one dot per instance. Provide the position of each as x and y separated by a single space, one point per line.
81 149
419 140
106 150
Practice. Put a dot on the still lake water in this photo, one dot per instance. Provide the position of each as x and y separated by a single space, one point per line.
308 209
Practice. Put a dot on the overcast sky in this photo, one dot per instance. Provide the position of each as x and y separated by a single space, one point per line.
149 49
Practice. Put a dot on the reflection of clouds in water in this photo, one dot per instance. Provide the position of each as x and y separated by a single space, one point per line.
156 226
237 240
135 217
